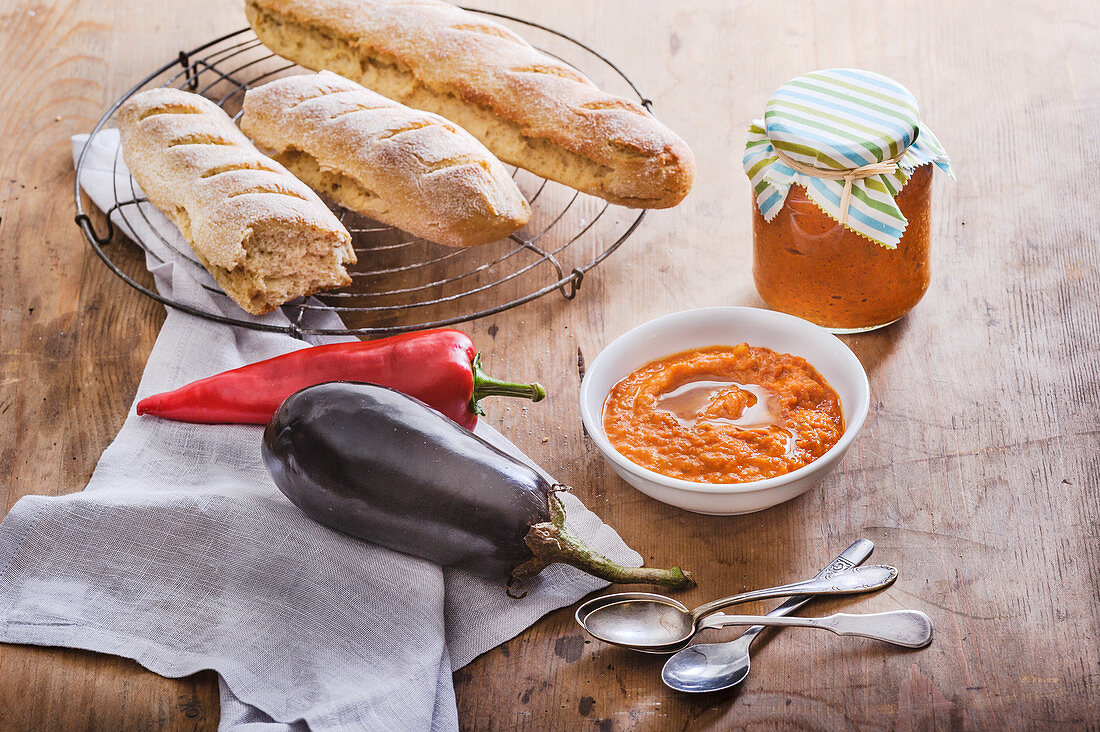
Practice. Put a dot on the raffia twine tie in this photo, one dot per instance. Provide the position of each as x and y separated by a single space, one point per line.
848 176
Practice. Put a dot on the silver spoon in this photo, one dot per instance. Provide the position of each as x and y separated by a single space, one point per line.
658 624
909 628
718 666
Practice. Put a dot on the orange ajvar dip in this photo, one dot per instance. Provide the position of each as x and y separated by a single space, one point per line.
724 415
807 264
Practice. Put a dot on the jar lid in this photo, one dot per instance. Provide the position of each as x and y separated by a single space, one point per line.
852 138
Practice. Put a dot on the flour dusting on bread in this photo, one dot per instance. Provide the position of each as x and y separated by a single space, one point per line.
263 234
528 108
404 167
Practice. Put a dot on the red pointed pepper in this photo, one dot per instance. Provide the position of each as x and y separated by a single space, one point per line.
439 367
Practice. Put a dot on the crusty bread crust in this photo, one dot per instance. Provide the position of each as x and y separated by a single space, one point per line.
528 108
263 234
404 167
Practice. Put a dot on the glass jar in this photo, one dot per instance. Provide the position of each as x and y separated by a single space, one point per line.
841 169
807 264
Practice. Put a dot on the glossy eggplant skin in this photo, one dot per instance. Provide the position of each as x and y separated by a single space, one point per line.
382 466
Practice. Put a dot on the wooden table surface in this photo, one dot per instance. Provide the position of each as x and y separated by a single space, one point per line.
976 473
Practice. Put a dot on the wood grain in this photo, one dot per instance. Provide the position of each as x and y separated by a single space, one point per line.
978 471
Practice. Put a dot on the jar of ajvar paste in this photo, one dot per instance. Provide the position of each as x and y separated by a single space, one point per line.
841 169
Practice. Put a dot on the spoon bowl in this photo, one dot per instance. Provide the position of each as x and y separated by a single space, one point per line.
637 619
708 666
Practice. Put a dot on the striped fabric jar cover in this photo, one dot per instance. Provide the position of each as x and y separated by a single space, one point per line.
841 120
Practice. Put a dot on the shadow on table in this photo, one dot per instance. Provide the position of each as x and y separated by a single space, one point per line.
874 348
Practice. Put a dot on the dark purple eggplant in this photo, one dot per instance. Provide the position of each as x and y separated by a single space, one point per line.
382 466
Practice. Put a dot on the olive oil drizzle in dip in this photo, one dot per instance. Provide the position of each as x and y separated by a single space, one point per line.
723 414
690 403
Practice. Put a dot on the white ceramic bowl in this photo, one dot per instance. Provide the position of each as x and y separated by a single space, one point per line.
726 326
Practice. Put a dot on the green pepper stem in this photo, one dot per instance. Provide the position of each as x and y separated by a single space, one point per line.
550 542
488 386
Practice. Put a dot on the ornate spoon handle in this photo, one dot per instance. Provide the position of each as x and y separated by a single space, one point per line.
850 557
857 579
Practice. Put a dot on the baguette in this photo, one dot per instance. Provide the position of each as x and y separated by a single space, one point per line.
528 108
411 169
263 234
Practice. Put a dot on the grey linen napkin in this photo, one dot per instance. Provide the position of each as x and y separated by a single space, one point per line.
183 555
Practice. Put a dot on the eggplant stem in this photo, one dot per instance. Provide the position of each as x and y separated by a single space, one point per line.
514 588
488 386
551 542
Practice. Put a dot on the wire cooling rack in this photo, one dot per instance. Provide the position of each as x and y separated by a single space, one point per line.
401 282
